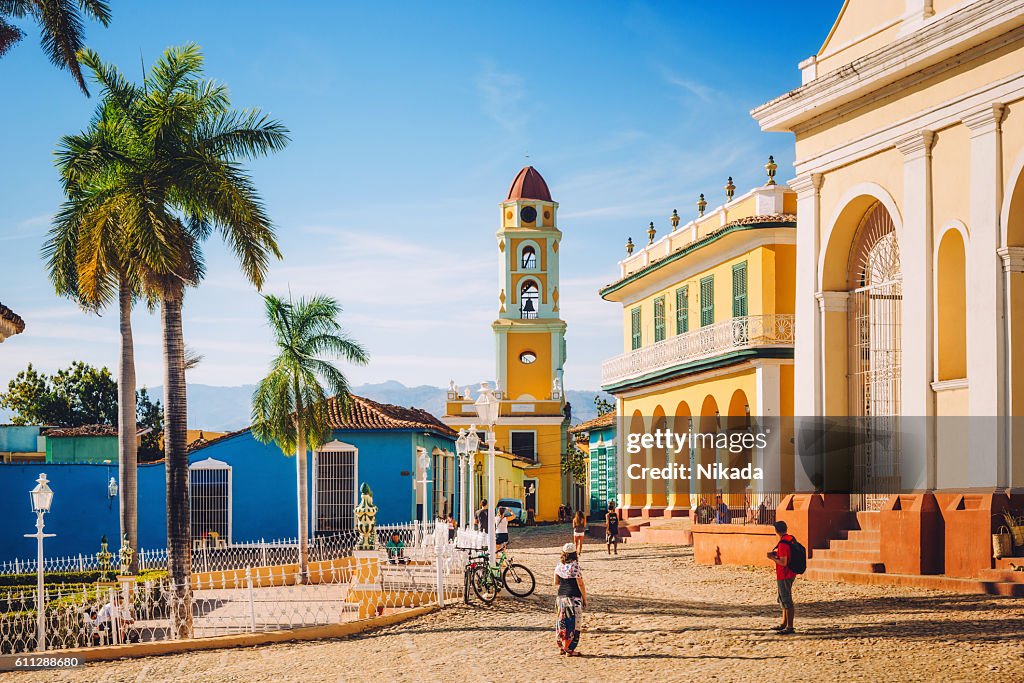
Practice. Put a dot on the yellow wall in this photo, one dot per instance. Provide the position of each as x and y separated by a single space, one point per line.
533 379
770 289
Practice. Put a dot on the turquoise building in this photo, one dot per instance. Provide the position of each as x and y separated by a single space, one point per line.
597 438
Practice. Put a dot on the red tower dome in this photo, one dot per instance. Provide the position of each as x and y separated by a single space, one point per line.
529 184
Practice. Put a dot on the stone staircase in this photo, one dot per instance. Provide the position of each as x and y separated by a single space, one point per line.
854 550
855 556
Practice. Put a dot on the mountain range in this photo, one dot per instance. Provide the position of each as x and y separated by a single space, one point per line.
229 408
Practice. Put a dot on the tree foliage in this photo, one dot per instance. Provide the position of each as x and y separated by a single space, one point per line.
574 463
74 396
603 405
61 28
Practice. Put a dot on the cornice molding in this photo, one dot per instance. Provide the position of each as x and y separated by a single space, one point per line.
806 182
985 119
832 302
1012 258
916 145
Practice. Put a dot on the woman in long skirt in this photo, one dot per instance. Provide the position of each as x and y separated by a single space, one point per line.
570 601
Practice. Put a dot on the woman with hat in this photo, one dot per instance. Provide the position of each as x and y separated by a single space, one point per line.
570 601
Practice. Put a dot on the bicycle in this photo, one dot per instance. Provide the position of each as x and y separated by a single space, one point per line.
487 580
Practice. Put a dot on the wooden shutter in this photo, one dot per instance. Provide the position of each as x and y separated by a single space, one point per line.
659 319
682 310
707 300
635 328
739 290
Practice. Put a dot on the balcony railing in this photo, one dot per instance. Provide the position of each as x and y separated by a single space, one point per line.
706 342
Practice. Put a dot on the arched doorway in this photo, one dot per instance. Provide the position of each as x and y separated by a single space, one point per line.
875 355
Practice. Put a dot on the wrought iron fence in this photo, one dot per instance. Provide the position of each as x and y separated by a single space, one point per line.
746 507
251 588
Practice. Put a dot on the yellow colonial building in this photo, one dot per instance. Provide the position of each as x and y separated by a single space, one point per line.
909 128
530 349
708 348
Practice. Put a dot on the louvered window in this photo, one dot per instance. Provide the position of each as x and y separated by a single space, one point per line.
634 316
659 319
682 310
707 300
739 290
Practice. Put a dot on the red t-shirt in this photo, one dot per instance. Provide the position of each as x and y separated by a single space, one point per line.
783 551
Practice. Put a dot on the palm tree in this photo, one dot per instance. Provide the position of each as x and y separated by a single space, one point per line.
60 23
89 262
290 405
170 173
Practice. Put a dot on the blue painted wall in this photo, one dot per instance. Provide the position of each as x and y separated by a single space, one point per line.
18 439
263 491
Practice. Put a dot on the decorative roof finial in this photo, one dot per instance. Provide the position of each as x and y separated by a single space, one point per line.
629 246
674 218
702 204
771 167
651 232
730 189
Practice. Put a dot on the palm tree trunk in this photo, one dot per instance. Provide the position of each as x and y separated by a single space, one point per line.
127 446
302 487
179 555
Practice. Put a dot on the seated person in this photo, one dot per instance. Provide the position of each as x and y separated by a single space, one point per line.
113 614
395 549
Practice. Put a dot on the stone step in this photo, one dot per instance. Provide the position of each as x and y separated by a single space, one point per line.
837 565
865 535
838 551
839 544
1002 576
933 582
869 521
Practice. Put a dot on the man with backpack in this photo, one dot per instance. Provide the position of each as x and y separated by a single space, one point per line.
790 560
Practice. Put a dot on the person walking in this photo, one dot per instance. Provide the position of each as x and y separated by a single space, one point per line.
482 516
579 530
611 529
782 555
570 601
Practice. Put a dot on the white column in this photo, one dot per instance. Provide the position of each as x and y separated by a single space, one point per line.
768 379
917 400
827 302
1013 268
807 349
986 350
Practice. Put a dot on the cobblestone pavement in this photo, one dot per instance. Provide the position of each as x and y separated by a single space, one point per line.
655 616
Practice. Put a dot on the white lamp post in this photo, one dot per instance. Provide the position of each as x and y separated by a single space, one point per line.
460 451
42 498
472 446
487 406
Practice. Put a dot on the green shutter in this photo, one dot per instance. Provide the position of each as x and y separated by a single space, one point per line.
707 300
739 290
682 310
659 319
635 323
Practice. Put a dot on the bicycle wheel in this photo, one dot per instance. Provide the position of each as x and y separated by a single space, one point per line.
465 580
484 585
518 580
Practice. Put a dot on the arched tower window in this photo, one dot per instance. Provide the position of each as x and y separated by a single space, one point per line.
529 258
529 300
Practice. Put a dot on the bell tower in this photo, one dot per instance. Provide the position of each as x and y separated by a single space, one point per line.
529 332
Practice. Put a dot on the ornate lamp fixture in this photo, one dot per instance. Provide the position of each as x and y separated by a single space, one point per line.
674 219
651 232
730 189
702 204
629 246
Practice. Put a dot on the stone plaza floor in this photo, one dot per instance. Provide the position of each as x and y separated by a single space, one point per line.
654 616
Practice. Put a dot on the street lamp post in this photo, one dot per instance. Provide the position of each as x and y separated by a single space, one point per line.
472 446
425 467
487 406
460 451
42 498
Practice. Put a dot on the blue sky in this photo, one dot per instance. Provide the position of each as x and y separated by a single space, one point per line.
409 120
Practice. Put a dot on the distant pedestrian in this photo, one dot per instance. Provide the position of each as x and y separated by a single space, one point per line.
722 515
483 516
570 601
579 530
790 560
611 529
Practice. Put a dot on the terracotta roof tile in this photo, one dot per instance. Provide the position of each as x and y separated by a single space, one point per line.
83 430
599 422
364 414
13 318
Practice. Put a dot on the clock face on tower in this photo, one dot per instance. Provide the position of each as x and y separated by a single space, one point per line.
528 214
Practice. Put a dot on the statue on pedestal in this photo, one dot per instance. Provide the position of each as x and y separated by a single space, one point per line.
104 557
125 555
366 519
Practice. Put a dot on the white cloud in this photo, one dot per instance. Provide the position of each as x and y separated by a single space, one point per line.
502 95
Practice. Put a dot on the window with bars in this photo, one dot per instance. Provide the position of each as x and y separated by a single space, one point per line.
637 336
334 490
682 310
659 319
524 444
739 290
707 300
209 492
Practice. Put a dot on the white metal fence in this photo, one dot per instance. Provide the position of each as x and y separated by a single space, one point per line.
245 588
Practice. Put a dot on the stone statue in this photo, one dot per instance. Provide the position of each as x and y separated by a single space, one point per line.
125 554
366 519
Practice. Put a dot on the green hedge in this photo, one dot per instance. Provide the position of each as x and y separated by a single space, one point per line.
52 578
